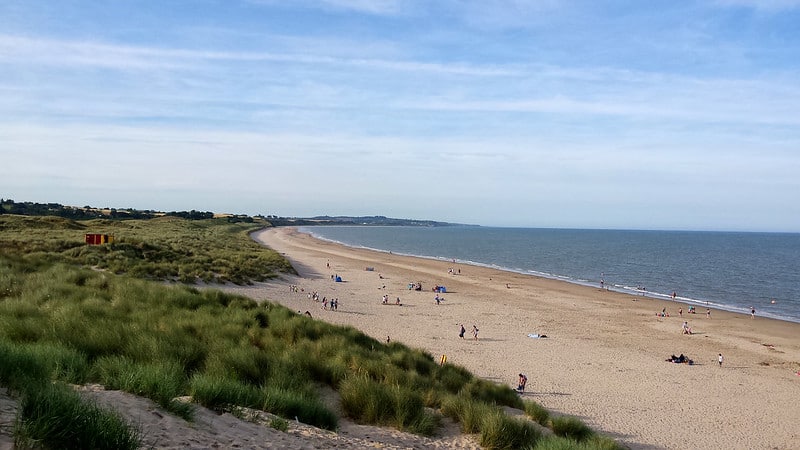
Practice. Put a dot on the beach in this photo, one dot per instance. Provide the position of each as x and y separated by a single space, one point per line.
604 357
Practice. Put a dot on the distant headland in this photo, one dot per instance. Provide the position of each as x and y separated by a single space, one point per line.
8 206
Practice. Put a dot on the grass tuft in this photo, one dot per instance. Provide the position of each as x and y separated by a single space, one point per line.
54 416
571 427
161 382
501 432
279 424
469 412
537 412
220 393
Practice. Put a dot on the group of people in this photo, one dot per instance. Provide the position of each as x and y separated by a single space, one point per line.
385 300
327 304
333 303
680 359
463 331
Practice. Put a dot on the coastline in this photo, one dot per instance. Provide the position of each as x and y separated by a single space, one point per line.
764 310
603 360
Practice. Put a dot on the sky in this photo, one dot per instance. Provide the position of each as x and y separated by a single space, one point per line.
541 113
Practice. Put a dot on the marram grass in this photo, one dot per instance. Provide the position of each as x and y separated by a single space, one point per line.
571 427
71 313
537 412
55 416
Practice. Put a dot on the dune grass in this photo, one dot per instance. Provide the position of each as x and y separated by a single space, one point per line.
63 321
55 416
571 427
554 442
370 401
166 248
501 432
537 412
52 415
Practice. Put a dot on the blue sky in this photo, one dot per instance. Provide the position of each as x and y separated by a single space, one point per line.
579 114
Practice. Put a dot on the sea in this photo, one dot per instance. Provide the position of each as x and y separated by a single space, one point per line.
733 271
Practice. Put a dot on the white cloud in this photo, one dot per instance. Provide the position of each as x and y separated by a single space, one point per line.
373 7
23 50
762 5
379 7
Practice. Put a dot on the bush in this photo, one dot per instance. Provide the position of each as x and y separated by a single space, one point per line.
56 417
571 427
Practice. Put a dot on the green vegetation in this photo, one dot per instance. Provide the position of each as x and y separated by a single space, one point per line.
571 427
165 248
537 412
279 424
75 314
554 442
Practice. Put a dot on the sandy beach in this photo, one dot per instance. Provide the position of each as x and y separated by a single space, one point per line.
603 359
604 356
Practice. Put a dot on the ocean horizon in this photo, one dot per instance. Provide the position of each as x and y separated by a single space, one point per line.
732 271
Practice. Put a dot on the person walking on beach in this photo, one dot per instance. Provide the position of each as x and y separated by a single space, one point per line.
720 359
708 313
461 333
475 332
